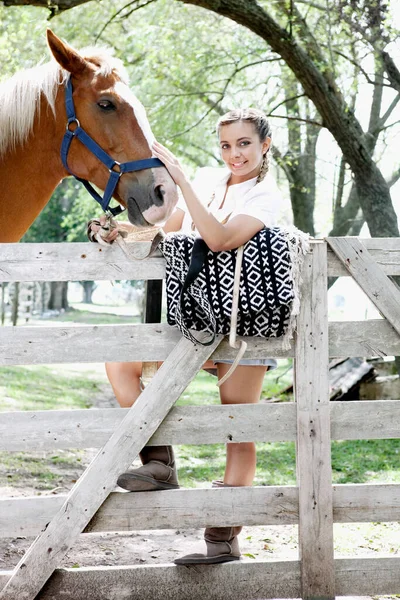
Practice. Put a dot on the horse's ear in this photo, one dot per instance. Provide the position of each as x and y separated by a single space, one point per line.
67 57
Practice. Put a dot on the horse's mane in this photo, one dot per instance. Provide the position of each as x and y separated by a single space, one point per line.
20 95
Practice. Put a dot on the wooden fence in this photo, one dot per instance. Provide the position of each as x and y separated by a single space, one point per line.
315 504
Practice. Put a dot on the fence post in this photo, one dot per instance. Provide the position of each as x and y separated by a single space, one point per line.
313 431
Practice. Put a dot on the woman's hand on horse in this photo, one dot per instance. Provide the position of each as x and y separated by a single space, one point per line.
171 162
103 230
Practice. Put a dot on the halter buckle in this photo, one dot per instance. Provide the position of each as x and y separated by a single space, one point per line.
70 121
118 170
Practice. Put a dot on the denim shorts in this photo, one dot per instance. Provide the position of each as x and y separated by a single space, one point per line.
249 362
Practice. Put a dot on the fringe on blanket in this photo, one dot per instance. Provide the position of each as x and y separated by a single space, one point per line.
299 246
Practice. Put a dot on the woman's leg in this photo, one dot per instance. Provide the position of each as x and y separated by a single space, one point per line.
242 387
125 381
158 471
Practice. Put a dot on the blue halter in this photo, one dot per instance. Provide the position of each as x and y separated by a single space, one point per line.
111 164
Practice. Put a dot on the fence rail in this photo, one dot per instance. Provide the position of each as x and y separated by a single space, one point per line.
63 429
86 262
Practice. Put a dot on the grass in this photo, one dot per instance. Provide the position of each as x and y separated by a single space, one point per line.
41 471
44 388
361 461
356 461
87 317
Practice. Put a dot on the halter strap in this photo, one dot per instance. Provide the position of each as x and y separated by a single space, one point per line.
116 169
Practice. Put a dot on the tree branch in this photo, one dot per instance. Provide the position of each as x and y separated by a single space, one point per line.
357 64
312 5
285 101
389 111
309 121
116 14
392 71
390 125
54 6
394 178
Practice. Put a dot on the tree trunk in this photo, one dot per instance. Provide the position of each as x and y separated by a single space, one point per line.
302 197
3 302
88 289
15 304
303 186
59 295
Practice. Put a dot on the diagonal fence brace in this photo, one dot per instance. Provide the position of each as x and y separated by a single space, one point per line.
370 277
90 491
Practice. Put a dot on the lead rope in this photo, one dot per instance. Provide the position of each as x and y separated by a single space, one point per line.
234 315
235 304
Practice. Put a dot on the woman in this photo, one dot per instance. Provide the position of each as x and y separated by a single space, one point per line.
227 208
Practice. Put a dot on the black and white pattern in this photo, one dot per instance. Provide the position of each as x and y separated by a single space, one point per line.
266 291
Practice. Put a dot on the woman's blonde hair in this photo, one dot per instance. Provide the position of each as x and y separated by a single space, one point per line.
261 125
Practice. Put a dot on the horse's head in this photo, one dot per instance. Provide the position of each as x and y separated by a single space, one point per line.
112 115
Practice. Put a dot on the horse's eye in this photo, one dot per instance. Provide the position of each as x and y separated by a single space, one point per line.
106 105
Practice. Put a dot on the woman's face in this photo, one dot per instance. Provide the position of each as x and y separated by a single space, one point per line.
241 150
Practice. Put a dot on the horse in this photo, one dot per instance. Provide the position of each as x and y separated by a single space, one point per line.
36 122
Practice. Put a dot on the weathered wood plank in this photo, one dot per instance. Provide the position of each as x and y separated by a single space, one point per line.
46 430
385 252
369 276
247 580
244 580
365 420
367 576
202 508
102 343
74 262
85 261
272 505
151 342
363 338
99 478
49 429
313 432
366 503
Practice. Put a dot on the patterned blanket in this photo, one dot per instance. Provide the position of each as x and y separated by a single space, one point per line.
268 291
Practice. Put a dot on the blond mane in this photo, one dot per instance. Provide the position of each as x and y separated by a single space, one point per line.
20 96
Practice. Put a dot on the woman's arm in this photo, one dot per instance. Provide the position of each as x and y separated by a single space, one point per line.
217 236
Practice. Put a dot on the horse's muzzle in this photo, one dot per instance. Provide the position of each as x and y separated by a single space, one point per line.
151 197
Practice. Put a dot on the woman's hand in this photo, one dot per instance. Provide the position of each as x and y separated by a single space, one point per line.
104 230
171 162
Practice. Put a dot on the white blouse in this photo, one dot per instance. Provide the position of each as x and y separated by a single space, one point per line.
262 200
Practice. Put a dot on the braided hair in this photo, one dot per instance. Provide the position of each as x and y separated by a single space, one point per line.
261 125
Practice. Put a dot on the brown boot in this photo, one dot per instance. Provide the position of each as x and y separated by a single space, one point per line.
221 543
157 473
221 546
